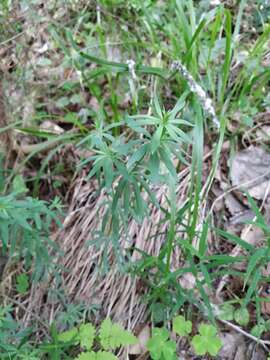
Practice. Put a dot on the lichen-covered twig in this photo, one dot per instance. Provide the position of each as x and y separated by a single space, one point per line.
206 102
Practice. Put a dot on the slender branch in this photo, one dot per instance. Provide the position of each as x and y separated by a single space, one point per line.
264 343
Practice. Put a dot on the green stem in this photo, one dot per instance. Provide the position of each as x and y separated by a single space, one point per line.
170 240
171 233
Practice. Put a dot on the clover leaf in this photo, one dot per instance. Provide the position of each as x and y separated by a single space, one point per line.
181 326
69 336
258 330
160 347
86 335
113 336
241 316
226 312
207 341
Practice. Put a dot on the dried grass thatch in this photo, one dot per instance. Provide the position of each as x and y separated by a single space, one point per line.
117 294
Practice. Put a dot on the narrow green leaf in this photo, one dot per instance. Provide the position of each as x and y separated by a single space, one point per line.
203 239
253 286
157 107
137 156
165 156
121 67
184 137
155 142
254 262
86 335
181 102
228 54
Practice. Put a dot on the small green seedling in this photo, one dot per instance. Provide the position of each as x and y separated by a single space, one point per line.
111 336
241 316
181 326
160 346
22 283
18 185
226 312
207 341
260 328
84 335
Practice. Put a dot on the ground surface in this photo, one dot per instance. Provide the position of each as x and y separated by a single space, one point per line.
135 144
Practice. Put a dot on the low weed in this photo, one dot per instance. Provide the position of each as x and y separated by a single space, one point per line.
25 232
90 343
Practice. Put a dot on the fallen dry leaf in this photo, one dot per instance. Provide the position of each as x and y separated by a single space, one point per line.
52 127
187 281
253 235
94 104
234 347
255 352
265 305
242 217
237 222
250 170
142 337
233 205
263 133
